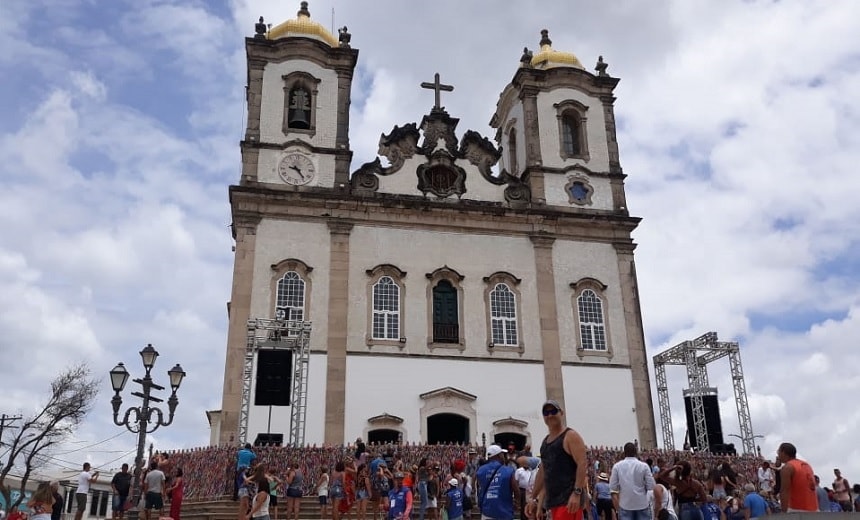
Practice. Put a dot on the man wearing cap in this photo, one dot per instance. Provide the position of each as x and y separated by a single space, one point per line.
497 486
453 500
604 497
399 499
561 478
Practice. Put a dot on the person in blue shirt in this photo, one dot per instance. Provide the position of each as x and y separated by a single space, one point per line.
244 458
454 500
497 486
733 509
399 499
755 506
710 509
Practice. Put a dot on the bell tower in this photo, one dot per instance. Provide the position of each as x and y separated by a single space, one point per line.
555 123
298 95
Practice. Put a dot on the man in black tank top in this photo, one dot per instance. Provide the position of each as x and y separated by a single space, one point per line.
560 483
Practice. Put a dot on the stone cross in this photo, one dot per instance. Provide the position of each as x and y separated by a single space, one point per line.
438 87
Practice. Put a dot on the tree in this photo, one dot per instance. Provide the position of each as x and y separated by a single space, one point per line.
72 395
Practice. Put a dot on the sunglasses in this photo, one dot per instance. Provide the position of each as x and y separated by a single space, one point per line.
550 411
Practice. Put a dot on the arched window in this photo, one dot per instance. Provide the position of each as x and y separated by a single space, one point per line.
503 316
570 134
512 152
386 294
300 101
386 309
592 329
290 300
504 320
573 137
446 315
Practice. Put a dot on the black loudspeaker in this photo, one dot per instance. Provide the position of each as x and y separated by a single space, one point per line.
713 423
274 377
269 439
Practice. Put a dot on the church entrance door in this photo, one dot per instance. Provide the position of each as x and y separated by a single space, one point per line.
447 427
504 439
383 436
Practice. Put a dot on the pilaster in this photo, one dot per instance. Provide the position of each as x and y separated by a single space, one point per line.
338 308
533 159
254 98
636 346
548 312
245 232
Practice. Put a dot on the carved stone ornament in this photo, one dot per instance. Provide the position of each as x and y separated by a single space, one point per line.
397 147
481 152
441 177
436 126
517 191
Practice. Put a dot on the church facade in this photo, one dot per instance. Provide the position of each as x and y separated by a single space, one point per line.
454 283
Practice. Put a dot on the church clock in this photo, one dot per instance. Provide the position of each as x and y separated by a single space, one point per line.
296 169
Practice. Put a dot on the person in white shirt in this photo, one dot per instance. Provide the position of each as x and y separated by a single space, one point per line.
630 481
661 500
84 480
522 475
765 478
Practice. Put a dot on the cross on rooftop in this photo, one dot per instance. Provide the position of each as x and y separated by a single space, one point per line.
438 87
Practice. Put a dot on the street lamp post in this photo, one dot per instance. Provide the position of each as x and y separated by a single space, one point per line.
145 418
754 437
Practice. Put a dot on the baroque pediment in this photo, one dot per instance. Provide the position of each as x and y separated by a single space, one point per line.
448 392
440 164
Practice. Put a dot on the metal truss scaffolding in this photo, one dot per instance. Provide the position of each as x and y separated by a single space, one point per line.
278 334
695 355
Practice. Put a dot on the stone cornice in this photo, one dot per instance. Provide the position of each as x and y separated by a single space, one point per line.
400 211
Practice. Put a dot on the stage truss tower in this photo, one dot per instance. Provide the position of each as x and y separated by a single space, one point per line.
278 334
696 355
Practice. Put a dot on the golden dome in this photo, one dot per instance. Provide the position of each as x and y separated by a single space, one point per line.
302 25
548 57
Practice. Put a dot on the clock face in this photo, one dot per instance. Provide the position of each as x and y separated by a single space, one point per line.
296 169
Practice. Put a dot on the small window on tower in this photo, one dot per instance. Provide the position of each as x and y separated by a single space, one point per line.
570 125
579 190
514 168
572 133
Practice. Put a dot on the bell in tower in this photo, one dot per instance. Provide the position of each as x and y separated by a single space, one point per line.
299 109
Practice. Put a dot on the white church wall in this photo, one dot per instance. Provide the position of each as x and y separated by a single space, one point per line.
599 404
549 130
272 105
267 167
574 261
258 416
420 252
377 385
279 240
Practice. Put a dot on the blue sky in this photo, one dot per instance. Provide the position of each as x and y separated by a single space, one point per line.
738 130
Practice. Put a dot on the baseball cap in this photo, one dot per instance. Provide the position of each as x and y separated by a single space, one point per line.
553 403
494 449
453 482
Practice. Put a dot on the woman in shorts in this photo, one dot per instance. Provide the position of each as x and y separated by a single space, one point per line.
362 490
322 492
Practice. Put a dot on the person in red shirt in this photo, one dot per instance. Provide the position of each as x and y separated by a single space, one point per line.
797 488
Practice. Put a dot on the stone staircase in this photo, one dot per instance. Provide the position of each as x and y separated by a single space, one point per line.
224 508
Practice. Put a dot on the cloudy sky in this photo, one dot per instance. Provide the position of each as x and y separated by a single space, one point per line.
739 129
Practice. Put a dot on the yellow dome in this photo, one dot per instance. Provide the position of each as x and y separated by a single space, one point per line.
548 57
302 25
